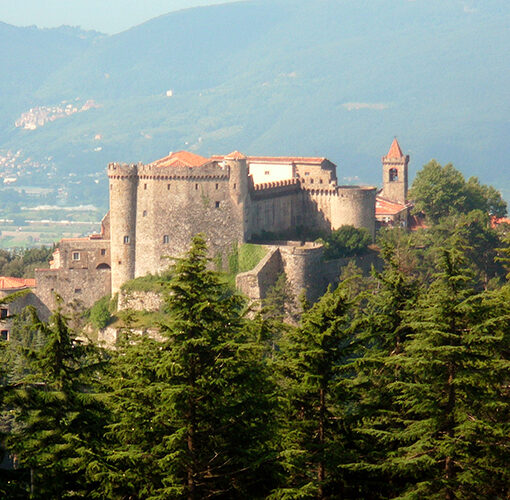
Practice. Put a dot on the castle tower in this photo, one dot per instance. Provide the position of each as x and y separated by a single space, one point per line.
237 165
123 193
395 176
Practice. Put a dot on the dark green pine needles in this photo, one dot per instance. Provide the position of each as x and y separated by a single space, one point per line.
192 410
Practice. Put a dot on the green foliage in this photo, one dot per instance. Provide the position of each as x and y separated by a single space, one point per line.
314 434
59 418
20 263
203 388
100 312
346 241
147 283
249 256
245 257
392 386
453 431
439 191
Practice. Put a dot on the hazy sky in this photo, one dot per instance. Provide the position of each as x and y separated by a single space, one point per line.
108 16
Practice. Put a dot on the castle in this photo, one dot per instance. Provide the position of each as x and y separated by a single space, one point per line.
156 208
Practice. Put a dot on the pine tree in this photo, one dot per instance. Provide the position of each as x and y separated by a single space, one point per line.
381 339
314 423
59 418
454 433
200 399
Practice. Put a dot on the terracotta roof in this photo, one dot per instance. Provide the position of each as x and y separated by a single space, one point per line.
180 159
395 151
235 155
387 207
499 220
277 159
7 282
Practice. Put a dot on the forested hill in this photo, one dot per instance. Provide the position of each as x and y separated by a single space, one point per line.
334 78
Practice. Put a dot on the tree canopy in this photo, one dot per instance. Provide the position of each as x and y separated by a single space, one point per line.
439 191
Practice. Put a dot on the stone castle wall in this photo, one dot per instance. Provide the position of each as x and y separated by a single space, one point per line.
159 210
256 283
83 274
77 287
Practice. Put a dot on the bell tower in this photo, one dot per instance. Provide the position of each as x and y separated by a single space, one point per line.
394 166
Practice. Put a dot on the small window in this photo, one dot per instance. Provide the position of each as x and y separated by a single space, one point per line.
393 175
320 181
168 187
235 185
76 255
145 186
144 213
4 334
77 290
196 186
217 186
126 240
217 204
307 174
119 262
267 172
103 251
3 313
311 181
166 239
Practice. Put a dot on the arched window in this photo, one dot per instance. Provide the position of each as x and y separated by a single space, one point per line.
393 174
103 265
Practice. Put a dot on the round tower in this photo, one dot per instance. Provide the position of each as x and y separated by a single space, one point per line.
354 206
123 191
237 165
302 265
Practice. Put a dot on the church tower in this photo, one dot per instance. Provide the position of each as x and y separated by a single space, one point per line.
394 166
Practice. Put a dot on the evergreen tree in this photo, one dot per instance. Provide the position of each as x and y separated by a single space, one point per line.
314 424
59 418
454 434
382 337
199 399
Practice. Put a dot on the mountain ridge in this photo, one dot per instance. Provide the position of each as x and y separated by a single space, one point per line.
329 78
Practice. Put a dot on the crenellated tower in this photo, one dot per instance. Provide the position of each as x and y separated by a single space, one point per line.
395 176
123 194
237 165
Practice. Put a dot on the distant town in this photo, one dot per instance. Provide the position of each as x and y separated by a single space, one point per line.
40 115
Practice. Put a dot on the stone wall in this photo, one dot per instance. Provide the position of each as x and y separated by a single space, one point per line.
304 267
83 274
139 301
78 287
27 298
256 283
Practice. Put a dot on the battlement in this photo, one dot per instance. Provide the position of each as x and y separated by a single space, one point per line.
275 188
122 170
276 184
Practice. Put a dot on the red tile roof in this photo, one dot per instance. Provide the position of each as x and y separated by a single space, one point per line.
387 207
181 159
277 159
7 282
499 220
395 151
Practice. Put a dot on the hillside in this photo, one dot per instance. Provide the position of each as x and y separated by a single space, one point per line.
331 77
